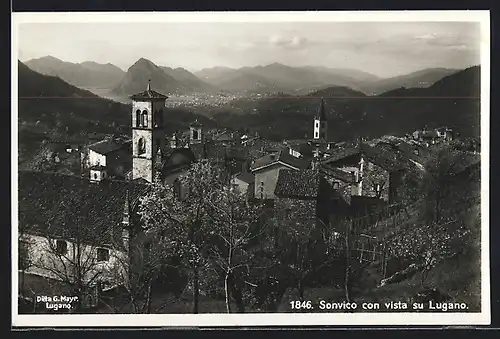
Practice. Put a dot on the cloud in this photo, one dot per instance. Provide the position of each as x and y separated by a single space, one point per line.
426 36
295 42
458 47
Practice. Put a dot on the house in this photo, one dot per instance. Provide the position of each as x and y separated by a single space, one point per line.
445 133
431 137
113 153
367 171
72 227
304 197
224 137
411 154
266 170
243 180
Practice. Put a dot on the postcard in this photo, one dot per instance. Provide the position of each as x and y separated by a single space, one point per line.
250 168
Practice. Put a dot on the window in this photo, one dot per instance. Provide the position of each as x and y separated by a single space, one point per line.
102 254
95 176
195 134
138 118
378 190
61 247
141 146
144 118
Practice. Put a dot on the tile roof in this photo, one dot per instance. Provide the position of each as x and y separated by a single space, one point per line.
341 153
297 184
336 173
280 156
429 134
54 204
196 123
388 160
223 135
148 94
108 146
246 177
380 157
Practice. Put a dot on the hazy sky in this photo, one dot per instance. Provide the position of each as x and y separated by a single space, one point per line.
382 48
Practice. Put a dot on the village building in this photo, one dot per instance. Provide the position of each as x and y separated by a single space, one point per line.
431 137
367 172
113 153
303 198
266 170
72 229
243 181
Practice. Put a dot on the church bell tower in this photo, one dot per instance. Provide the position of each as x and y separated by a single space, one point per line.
320 123
148 134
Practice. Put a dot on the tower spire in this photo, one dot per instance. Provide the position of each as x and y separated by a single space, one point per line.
321 110
158 165
149 85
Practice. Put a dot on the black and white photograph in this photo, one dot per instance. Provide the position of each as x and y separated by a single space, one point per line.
258 168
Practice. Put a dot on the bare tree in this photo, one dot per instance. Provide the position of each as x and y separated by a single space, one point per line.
235 225
178 217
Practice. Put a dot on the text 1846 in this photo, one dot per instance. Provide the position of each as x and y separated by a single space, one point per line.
301 305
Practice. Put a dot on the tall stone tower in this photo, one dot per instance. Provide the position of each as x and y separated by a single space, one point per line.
320 123
148 133
195 132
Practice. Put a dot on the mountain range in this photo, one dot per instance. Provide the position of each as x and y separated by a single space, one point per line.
110 81
277 77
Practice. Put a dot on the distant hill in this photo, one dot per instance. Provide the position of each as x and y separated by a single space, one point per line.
277 77
346 72
189 79
141 72
339 92
452 101
420 79
85 74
